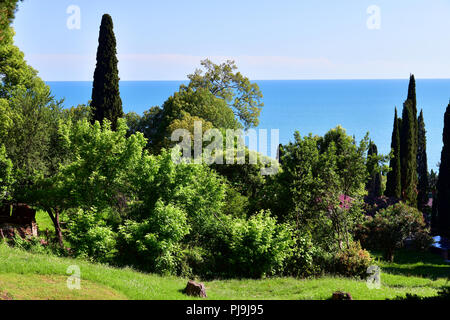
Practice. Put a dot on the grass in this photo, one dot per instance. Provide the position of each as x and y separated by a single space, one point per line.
44 222
38 287
24 275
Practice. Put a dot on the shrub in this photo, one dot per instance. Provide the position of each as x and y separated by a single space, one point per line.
252 248
154 243
90 237
423 240
303 259
353 261
390 227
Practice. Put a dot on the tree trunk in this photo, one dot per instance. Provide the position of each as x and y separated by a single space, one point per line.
389 255
56 224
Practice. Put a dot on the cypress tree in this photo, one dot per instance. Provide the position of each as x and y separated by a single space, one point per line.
422 166
443 184
374 183
408 154
280 153
412 94
393 183
106 101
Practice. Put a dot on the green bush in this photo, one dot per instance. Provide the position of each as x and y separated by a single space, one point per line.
353 261
301 261
90 237
154 243
390 227
252 248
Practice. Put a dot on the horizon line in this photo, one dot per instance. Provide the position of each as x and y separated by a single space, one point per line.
321 79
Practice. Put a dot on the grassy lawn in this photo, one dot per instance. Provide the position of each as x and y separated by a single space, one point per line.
24 275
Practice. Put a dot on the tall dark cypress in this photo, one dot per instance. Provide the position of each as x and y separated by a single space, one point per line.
412 94
443 184
374 183
422 166
413 98
394 176
408 154
106 101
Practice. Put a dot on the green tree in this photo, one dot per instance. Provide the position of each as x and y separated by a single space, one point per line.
223 82
29 117
182 107
393 184
98 172
8 9
153 244
443 185
321 186
106 101
422 166
390 227
374 183
6 176
408 154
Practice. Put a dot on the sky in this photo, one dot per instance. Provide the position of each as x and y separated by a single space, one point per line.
269 40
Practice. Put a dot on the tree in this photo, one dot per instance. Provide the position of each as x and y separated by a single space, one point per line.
443 185
412 95
29 117
408 154
187 103
393 184
98 173
373 185
321 187
7 11
422 166
240 94
390 227
6 176
106 101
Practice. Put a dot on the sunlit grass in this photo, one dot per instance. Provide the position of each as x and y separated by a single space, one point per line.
22 267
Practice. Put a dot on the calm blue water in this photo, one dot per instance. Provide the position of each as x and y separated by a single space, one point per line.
308 105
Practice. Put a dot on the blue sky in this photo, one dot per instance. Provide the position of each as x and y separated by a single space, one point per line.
284 39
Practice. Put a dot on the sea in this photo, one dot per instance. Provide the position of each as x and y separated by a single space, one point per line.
307 106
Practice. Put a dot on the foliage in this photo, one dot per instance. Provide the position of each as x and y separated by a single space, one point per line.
106 101
422 165
393 184
443 185
7 11
98 167
29 118
180 111
353 261
154 243
193 188
321 186
148 124
304 259
251 248
90 236
390 227
408 154
223 82
6 175
374 183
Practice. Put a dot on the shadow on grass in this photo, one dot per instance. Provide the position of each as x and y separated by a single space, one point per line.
410 262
